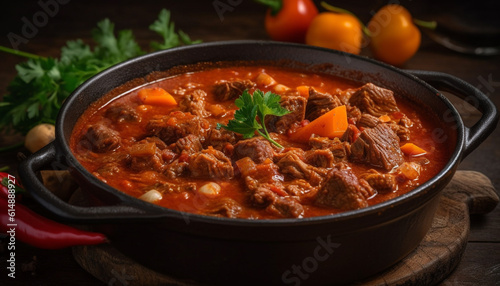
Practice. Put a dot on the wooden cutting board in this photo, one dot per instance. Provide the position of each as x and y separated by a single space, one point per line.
434 259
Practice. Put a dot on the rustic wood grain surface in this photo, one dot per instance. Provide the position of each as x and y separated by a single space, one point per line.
480 264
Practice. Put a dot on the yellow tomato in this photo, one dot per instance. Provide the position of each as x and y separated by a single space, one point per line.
394 37
335 31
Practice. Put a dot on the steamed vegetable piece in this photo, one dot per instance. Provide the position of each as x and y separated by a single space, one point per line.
42 84
250 117
412 150
156 96
331 124
303 90
288 20
338 31
39 136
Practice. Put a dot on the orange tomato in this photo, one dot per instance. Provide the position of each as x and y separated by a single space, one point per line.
394 36
336 31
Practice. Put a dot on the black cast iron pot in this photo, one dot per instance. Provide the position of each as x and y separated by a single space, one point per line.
324 250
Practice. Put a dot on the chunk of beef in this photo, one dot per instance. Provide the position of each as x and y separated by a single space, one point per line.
338 148
297 106
299 188
100 139
280 154
210 163
169 187
225 207
176 125
367 121
353 114
108 170
267 172
405 121
176 169
378 146
351 134
121 113
293 166
258 149
189 144
146 155
263 196
345 94
320 103
380 182
229 90
343 190
287 207
194 102
374 100
219 138
400 130
322 158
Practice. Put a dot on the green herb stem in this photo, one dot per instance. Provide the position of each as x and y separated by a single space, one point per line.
274 5
425 24
36 94
266 135
20 53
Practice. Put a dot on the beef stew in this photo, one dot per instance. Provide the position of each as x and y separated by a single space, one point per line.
174 153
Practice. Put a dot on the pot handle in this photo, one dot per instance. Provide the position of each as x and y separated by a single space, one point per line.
28 170
485 125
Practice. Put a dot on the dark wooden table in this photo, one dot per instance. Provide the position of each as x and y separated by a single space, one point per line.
69 20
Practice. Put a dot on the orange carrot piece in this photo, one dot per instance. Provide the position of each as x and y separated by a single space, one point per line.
412 150
303 91
331 124
156 96
384 118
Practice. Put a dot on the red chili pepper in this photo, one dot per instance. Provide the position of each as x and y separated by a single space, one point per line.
23 224
288 20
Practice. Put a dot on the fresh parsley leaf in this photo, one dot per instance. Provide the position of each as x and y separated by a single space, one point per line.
252 112
42 84
186 40
165 28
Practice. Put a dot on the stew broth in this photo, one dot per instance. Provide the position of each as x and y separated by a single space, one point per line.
178 157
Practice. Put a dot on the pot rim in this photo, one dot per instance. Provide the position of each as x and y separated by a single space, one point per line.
62 145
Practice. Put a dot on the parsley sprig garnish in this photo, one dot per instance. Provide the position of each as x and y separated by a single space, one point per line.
43 83
250 117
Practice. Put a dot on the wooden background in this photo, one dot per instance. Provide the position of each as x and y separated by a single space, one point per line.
76 18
